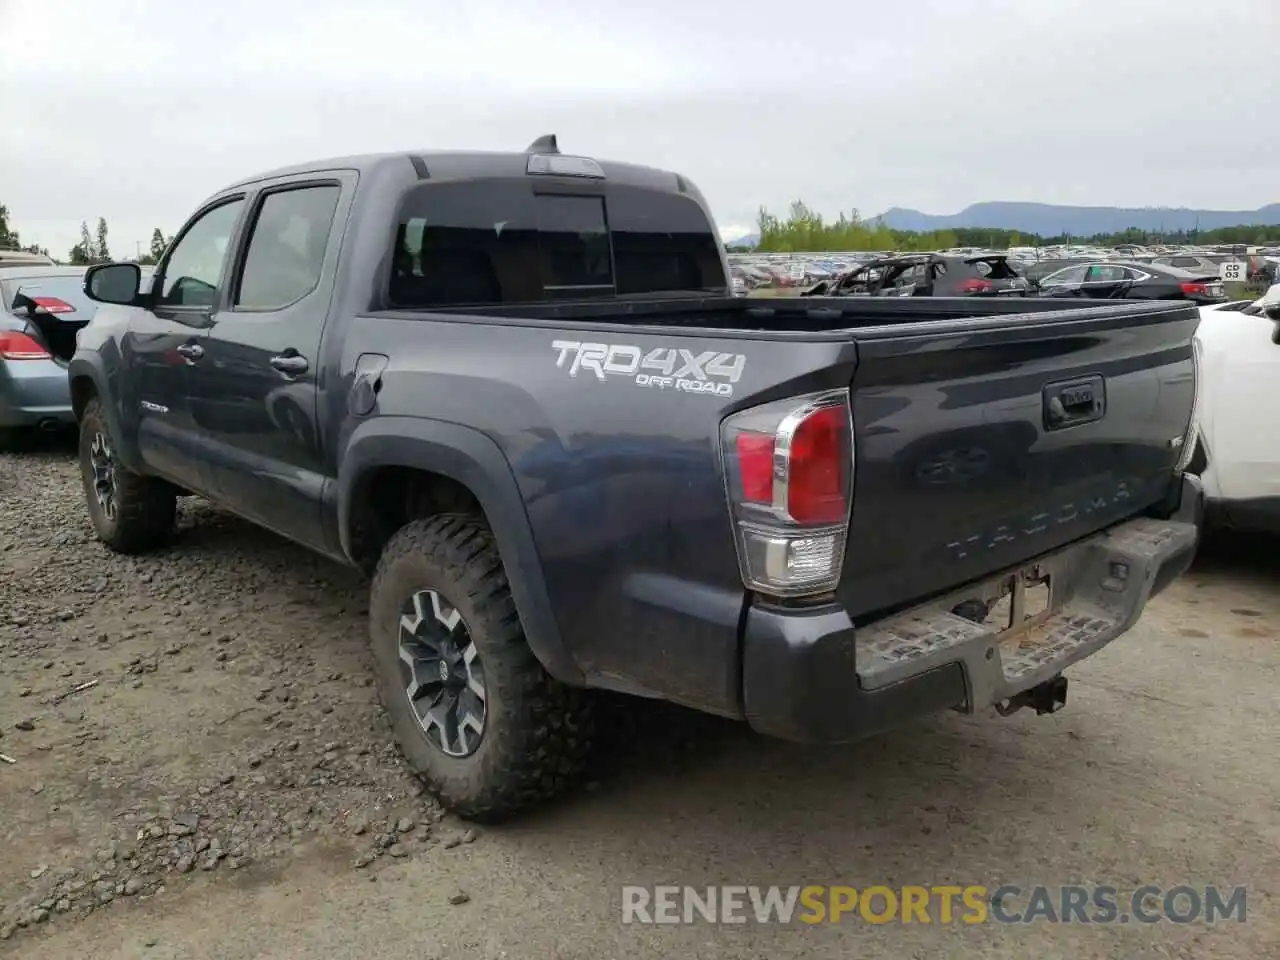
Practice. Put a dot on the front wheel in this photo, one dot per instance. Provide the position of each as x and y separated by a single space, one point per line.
474 712
130 513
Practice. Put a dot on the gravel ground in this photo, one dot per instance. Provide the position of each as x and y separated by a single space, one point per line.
202 770
196 710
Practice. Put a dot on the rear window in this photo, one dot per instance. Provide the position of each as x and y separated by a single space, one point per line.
994 268
498 242
70 290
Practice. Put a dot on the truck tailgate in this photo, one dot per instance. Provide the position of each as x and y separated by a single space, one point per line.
982 444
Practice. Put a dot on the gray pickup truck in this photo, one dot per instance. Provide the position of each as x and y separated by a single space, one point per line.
516 390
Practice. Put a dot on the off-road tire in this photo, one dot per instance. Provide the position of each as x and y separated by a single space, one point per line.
537 731
145 507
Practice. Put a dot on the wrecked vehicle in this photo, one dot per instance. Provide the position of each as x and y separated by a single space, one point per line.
42 308
927 275
516 391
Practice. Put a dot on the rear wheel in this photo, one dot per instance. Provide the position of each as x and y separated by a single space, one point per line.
474 712
130 513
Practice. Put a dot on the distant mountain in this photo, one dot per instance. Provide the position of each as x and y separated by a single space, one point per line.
750 240
1049 220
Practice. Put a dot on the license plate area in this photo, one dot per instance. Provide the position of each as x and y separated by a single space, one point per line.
1025 605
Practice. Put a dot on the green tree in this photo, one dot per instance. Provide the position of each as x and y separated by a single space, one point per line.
805 230
83 252
101 253
8 237
158 243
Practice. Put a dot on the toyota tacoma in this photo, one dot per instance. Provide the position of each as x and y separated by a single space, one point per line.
516 390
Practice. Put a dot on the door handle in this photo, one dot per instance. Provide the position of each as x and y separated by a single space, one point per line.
290 363
192 351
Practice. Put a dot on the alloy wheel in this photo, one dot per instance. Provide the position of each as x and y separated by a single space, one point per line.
102 462
442 673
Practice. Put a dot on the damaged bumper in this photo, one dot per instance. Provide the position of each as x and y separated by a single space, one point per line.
812 676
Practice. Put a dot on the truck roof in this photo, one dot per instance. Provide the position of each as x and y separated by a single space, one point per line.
457 164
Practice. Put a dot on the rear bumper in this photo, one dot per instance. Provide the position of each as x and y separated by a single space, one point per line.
32 391
812 676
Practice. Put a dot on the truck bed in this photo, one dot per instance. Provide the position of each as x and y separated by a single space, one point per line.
957 472
811 315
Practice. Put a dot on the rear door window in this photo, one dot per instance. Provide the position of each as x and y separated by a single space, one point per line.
1104 273
1069 275
995 268
287 247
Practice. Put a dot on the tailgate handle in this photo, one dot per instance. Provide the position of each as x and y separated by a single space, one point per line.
1074 402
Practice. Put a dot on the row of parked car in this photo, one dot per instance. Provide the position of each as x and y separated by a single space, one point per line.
943 275
1136 271
44 306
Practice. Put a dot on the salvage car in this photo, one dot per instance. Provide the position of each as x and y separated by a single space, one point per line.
1238 435
927 275
524 401
1118 280
41 310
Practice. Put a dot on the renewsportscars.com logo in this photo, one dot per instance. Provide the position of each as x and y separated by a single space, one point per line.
661 368
942 904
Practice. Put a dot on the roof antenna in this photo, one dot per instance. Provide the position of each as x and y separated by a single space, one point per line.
544 144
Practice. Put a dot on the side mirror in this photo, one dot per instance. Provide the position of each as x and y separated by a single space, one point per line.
113 283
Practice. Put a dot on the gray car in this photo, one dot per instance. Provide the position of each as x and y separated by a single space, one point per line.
42 308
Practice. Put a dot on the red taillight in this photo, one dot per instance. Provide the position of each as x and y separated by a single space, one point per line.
789 474
818 474
1193 289
53 305
977 286
19 346
755 463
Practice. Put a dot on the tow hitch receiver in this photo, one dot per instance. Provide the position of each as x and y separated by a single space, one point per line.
1047 697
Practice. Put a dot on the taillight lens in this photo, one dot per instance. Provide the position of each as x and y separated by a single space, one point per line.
789 477
1192 289
1193 425
19 346
52 305
977 286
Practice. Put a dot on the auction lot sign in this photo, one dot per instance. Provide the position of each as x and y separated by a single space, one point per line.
1233 271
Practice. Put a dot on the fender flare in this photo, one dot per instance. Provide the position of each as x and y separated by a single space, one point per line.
472 459
90 366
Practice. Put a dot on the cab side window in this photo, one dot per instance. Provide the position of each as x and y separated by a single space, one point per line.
287 247
194 271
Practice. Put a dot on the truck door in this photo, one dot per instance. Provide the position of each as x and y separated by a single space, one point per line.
165 342
256 393
1103 281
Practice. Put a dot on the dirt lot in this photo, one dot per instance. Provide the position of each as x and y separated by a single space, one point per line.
227 787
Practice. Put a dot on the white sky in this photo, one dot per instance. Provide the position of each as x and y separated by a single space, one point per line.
137 109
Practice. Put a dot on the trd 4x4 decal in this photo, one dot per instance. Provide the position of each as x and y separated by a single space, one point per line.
662 368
